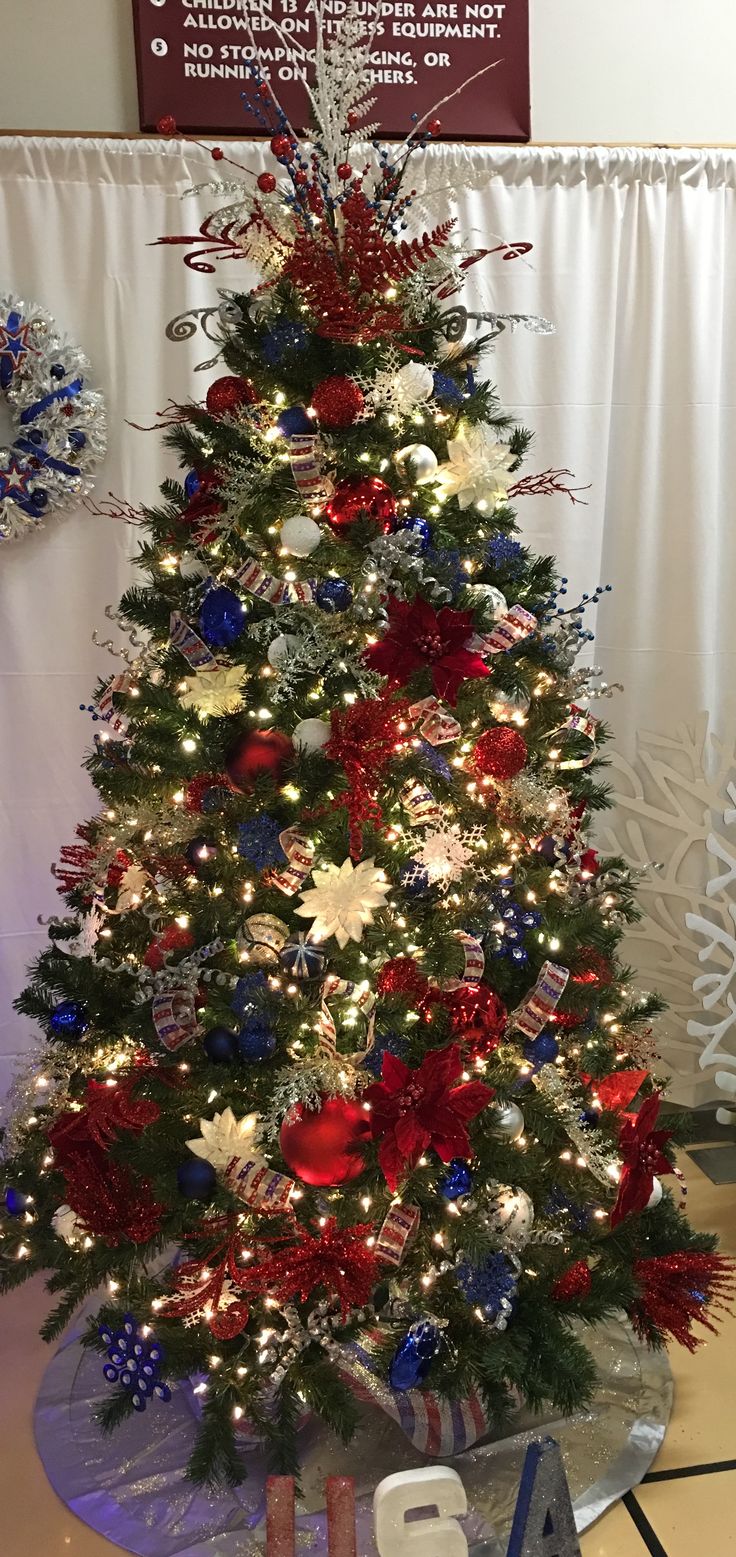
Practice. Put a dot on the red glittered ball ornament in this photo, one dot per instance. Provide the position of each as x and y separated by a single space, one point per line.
166 125
229 392
282 148
402 976
258 754
338 402
478 1018
595 969
266 183
324 1146
500 753
357 498
574 1283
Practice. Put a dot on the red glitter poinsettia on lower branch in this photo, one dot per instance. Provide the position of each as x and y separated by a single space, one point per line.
412 1110
334 1258
419 637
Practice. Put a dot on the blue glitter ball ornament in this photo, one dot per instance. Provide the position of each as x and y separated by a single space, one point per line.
77 439
490 1286
446 390
457 1181
196 1179
284 337
294 421
134 1361
200 852
414 1356
248 992
506 554
69 1020
590 1117
333 595
384 1043
192 483
302 958
221 617
16 1203
435 760
220 1045
258 841
256 1040
419 527
414 879
542 1050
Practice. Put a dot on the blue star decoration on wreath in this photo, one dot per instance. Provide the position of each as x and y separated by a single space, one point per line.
135 1359
14 345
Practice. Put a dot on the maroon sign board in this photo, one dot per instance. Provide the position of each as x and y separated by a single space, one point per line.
193 63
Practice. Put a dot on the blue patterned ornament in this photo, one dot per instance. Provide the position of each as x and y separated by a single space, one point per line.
294 421
457 1181
414 1356
302 958
256 1040
490 1287
69 1020
221 617
384 1043
135 1361
196 1179
16 1203
286 336
333 595
258 842
414 879
419 527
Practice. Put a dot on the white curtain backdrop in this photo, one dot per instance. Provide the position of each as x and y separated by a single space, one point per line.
634 259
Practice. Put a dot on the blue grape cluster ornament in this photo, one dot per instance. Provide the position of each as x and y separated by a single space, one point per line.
414 1355
490 1287
515 920
135 1361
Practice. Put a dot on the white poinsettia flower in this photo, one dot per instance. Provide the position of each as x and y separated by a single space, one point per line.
214 692
225 1137
477 468
342 900
416 381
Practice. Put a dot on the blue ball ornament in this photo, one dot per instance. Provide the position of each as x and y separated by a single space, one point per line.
220 1045
419 527
590 1117
285 337
302 958
77 439
16 1203
200 852
256 1040
542 1050
192 483
221 617
196 1179
414 1356
69 1020
414 879
446 390
457 1181
294 421
333 595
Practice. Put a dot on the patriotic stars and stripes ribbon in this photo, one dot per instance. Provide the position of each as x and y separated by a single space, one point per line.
434 1426
541 1002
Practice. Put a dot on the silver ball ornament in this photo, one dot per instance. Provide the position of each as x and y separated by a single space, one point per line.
300 536
506 705
423 465
311 735
507 1122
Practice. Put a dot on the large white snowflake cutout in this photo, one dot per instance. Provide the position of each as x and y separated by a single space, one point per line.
214 692
399 388
225 1137
342 900
477 468
447 852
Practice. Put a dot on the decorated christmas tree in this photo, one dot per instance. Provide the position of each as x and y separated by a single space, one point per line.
338 1094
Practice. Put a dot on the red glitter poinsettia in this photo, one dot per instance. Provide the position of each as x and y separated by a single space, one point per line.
363 741
412 1110
419 638
334 1258
108 1110
477 1017
675 1291
643 1158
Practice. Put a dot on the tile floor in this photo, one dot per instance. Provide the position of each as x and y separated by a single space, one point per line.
684 1506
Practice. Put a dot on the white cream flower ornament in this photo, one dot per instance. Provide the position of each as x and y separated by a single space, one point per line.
214 692
342 900
477 468
225 1137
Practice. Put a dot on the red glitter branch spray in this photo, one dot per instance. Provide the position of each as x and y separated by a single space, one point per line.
363 742
547 482
677 1291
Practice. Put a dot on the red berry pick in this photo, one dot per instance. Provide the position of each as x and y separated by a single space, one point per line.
266 183
166 125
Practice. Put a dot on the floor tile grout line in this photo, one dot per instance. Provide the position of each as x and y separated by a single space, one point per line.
682 1471
649 1537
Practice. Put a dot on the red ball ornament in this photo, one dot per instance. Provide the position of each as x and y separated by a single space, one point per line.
360 497
500 753
573 1283
402 976
217 154
258 754
344 170
434 126
323 1146
338 402
166 125
282 148
229 392
266 183
478 1018
353 118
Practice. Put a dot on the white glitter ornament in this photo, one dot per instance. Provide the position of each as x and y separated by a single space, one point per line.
281 649
342 900
66 1226
224 1137
424 462
477 468
300 536
311 735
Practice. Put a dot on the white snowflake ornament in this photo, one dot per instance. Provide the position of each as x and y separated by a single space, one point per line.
447 852
477 468
225 1137
214 692
342 900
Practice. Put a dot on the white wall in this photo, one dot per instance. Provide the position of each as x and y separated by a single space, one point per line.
602 70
